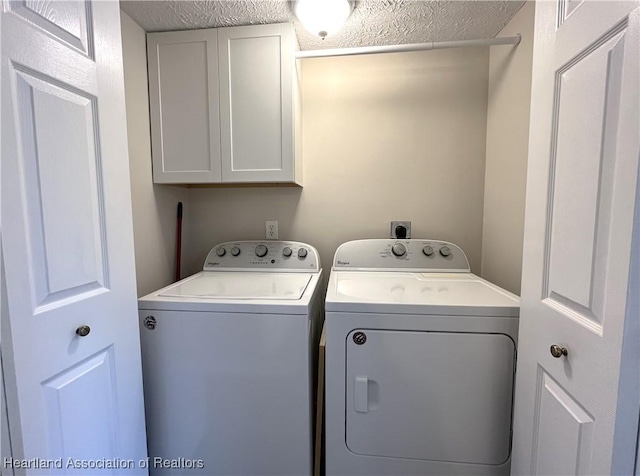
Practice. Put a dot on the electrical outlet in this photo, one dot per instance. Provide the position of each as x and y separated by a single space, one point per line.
395 230
271 229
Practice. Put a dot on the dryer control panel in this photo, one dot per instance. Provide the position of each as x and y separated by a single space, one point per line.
401 255
281 256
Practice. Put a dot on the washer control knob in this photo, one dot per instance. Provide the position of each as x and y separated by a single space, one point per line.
399 249
445 251
427 250
235 251
261 251
286 252
302 253
221 252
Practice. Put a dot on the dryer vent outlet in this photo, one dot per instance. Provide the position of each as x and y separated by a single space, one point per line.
400 230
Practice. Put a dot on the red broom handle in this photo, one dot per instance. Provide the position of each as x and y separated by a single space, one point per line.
179 242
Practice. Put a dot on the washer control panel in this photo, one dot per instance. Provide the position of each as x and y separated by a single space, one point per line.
401 255
266 255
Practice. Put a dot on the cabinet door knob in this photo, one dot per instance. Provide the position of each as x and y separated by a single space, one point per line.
558 351
83 331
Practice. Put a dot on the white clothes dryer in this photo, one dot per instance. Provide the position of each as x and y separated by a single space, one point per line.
228 360
420 361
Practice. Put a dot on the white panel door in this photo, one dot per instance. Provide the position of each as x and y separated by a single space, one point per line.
583 159
67 241
256 103
184 112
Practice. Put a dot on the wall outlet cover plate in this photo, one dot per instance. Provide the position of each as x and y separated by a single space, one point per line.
271 230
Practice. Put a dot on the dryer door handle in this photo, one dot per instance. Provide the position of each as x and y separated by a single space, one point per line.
361 394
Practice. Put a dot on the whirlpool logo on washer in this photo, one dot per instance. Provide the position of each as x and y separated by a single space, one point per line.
343 263
359 338
150 322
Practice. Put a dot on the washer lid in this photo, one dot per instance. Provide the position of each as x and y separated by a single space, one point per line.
241 285
444 293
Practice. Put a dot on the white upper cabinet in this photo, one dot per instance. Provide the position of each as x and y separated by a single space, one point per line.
184 106
256 103
225 105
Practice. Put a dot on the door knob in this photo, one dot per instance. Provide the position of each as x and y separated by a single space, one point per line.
558 351
83 331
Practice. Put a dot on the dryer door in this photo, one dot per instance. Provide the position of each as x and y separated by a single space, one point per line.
430 395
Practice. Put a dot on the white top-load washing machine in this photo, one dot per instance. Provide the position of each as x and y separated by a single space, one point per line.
420 360
228 360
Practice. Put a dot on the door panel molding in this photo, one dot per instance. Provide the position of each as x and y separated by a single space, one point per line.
553 405
57 20
576 241
566 8
61 175
67 426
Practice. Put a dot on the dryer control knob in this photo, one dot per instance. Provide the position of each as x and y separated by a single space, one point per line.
302 253
427 250
445 251
261 251
221 251
235 251
286 252
399 249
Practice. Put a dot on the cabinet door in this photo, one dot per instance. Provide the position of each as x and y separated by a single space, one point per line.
256 103
184 107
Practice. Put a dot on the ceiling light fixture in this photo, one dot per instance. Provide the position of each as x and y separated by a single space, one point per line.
322 17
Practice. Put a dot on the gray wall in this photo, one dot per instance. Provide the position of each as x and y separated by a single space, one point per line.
394 136
154 206
507 150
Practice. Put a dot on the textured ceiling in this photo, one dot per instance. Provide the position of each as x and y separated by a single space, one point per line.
372 23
